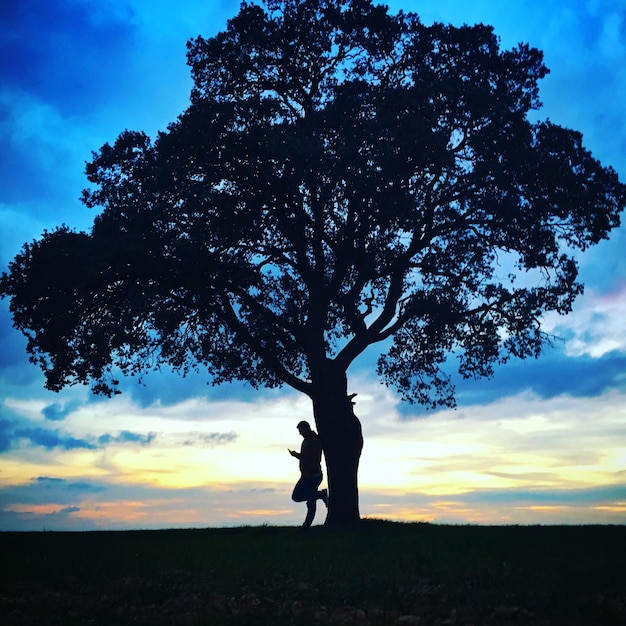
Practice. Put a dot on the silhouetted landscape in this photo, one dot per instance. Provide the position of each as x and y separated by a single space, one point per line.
373 573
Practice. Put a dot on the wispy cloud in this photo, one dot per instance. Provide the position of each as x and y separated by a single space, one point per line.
209 439
14 436
596 326
126 436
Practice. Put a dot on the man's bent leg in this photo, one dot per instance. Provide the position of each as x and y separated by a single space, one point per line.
311 507
301 490
306 490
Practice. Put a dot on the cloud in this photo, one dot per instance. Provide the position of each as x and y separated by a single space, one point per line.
50 439
603 267
6 429
56 50
69 509
14 366
126 436
123 505
454 466
551 375
60 63
128 505
47 502
518 442
50 489
62 485
75 74
513 506
209 439
41 166
595 327
555 373
580 497
584 48
58 411
36 520
169 388
15 435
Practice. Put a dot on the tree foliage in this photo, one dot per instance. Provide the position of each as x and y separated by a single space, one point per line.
342 177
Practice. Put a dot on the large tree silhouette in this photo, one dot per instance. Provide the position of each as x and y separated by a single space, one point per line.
342 177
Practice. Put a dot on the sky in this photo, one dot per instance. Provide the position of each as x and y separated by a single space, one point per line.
542 442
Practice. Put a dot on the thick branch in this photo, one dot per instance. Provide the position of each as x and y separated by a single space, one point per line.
265 354
371 335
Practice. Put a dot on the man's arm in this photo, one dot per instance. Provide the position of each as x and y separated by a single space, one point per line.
294 454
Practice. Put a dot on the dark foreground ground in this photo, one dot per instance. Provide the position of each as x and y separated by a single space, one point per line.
375 573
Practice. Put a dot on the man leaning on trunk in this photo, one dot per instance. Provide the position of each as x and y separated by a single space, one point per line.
310 457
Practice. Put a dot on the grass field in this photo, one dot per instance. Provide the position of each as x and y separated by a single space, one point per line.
374 573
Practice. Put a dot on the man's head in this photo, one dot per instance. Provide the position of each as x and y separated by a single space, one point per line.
304 428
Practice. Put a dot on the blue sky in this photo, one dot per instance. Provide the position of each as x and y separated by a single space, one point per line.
542 442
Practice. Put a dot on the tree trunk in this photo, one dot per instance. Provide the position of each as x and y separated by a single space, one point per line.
342 441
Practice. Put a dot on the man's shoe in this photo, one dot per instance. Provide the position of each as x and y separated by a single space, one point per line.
324 496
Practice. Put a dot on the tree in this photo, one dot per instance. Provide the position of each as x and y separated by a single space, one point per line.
342 177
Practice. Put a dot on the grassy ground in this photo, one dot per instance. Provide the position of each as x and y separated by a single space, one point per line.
375 573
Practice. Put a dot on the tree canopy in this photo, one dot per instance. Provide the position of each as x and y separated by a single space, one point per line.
342 177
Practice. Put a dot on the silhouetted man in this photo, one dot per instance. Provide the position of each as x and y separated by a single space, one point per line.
310 457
